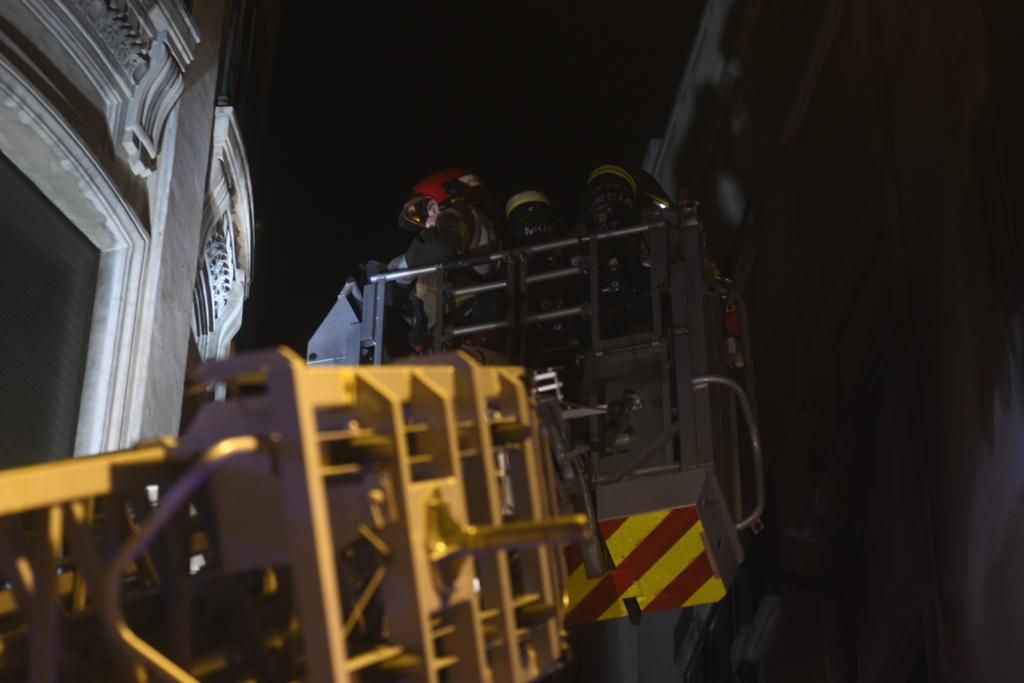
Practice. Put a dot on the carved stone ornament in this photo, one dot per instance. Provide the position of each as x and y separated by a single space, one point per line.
120 31
156 94
225 263
134 53
218 274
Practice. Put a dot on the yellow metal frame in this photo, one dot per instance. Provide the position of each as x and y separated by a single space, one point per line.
304 461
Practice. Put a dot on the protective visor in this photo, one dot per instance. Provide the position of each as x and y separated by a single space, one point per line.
415 213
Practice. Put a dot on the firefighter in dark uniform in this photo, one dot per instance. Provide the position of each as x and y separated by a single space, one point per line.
453 216
530 220
617 197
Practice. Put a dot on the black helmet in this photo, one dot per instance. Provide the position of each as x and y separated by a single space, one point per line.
530 217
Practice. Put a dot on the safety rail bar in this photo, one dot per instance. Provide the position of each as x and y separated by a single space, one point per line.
473 262
547 276
546 316
516 280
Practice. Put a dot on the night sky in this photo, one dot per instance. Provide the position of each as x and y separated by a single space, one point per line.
531 96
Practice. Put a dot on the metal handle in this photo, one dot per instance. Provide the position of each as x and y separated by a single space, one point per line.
752 519
449 539
524 534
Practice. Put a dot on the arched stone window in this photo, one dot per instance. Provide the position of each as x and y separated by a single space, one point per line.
225 264
66 69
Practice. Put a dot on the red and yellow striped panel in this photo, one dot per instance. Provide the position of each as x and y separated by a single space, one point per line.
659 559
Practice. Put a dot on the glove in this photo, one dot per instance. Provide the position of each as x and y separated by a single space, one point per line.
368 270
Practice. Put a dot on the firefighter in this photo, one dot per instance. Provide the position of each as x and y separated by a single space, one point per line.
530 220
611 199
610 203
452 216
617 197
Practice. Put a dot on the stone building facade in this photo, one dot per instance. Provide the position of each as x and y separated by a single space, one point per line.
128 213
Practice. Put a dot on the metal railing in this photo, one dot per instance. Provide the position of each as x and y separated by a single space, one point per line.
681 287
496 256
515 279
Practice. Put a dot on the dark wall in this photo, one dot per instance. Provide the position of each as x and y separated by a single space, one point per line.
877 152
48 275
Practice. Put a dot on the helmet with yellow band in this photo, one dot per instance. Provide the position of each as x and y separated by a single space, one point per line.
611 198
529 217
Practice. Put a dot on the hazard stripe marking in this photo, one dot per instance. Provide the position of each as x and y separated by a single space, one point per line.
713 590
609 588
631 533
621 536
580 584
573 558
684 551
642 553
684 585
610 526
573 554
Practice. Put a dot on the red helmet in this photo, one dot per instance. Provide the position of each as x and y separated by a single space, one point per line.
438 190
447 186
